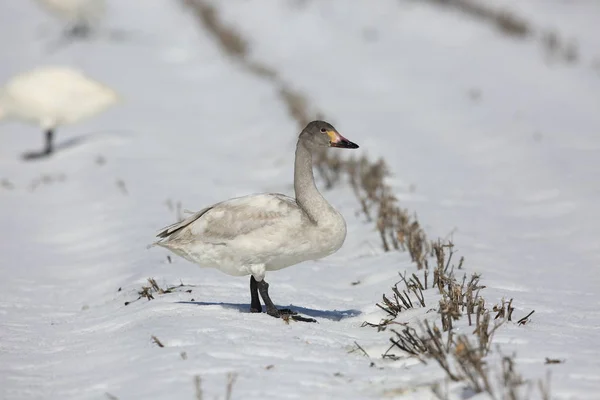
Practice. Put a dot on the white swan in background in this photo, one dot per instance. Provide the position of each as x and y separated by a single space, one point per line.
53 96
265 232
81 16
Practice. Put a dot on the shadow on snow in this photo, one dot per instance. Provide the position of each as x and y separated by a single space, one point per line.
334 315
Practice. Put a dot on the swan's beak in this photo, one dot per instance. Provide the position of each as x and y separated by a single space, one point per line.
337 140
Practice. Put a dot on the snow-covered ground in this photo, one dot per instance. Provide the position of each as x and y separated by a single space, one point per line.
501 148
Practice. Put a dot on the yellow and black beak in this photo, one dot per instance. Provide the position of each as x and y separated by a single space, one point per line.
337 140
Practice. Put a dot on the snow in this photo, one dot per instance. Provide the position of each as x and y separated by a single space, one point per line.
510 176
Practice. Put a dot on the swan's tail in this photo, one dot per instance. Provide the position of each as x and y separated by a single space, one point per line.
177 226
166 233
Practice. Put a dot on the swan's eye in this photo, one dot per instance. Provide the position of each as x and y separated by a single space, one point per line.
323 130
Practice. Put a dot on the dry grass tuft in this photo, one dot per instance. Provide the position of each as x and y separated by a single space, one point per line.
398 230
157 341
462 357
544 387
198 387
401 300
525 319
557 49
409 341
153 288
6 184
122 186
100 160
231 378
47 179
297 105
176 208
359 348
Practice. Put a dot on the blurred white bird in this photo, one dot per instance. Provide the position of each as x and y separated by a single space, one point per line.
52 96
81 16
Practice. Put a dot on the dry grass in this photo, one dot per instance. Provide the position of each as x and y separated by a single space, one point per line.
7 184
407 340
231 379
462 357
229 40
359 348
557 48
100 160
47 179
157 341
544 387
175 207
515 26
504 20
525 319
198 387
504 310
122 186
149 291
402 300
398 230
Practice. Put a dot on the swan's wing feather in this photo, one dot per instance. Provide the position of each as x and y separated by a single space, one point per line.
233 218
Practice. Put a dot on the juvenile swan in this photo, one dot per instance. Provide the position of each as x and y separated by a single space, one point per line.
254 234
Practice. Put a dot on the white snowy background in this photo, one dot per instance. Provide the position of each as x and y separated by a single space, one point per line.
490 140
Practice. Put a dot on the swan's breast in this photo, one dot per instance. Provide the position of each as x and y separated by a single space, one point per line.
327 236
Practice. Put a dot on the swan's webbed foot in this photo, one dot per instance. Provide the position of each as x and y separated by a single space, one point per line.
48 150
35 155
280 312
286 314
302 319
263 288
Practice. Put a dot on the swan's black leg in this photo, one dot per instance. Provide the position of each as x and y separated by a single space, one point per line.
263 288
49 142
48 149
255 306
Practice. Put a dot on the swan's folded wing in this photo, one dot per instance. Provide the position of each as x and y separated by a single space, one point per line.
235 218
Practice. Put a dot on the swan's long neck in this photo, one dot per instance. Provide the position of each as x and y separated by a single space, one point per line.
307 195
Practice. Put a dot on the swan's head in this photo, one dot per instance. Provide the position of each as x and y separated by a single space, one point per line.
323 134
